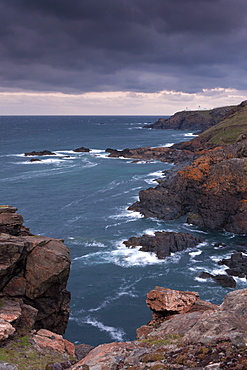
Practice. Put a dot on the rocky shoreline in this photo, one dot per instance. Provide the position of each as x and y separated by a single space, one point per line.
209 185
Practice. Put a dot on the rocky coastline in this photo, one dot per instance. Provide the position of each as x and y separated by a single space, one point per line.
209 185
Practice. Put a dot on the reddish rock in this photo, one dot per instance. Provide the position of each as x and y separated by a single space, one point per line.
106 356
16 287
47 339
28 317
170 302
6 330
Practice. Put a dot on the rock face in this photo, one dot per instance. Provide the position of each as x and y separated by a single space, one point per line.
191 334
212 190
191 120
34 271
164 243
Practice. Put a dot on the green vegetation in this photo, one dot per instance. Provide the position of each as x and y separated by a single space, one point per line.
228 131
164 341
23 354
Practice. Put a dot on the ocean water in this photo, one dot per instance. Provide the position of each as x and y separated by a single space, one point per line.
83 199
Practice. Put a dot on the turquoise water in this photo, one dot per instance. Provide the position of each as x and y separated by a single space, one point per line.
83 199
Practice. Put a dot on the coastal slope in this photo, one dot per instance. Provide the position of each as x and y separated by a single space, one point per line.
210 186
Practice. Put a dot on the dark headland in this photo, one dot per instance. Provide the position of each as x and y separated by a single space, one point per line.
208 184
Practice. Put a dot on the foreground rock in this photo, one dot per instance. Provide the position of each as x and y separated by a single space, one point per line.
189 333
164 243
34 271
192 120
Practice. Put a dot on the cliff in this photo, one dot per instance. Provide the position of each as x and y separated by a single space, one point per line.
34 302
210 186
192 120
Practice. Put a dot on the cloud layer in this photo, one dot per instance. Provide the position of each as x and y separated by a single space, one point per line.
143 46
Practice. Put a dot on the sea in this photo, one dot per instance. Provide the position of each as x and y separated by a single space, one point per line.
83 199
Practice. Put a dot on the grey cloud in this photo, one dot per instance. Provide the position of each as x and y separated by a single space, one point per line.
136 45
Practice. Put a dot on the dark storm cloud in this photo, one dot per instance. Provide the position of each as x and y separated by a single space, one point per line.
138 45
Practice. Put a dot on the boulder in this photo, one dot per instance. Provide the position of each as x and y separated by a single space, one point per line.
164 243
47 339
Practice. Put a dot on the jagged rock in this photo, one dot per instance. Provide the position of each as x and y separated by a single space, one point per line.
81 150
170 302
164 243
212 191
40 153
35 269
224 280
35 160
237 264
47 339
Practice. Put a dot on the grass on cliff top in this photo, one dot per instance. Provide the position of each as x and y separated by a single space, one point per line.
229 130
22 353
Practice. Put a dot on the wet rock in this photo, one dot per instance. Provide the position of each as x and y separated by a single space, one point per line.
35 160
81 150
237 264
39 153
222 279
164 243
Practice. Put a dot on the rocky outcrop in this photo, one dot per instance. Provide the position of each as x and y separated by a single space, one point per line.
237 265
34 271
163 154
163 243
81 150
222 279
192 120
191 334
212 190
39 153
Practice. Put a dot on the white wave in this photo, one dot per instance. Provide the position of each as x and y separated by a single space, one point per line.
117 334
150 232
190 134
168 145
126 257
156 174
196 253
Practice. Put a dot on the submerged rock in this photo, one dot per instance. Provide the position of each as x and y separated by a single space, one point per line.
164 243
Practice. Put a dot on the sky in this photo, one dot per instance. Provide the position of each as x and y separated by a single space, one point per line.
121 57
